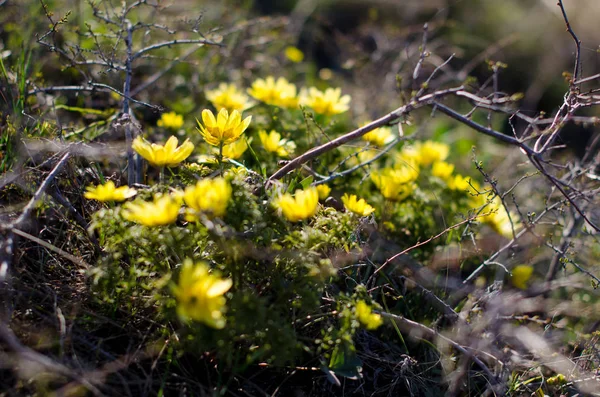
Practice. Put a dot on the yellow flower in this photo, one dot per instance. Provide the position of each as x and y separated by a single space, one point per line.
399 175
558 379
408 156
520 275
328 103
430 152
171 121
367 154
162 210
235 150
207 159
294 54
209 196
366 317
359 207
223 130
464 183
278 93
233 171
395 183
108 192
379 136
227 96
323 191
302 206
442 170
199 294
424 153
273 143
158 155
498 219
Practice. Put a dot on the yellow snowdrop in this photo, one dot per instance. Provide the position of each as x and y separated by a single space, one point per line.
108 192
301 206
379 136
227 96
280 93
158 155
329 102
520 275
163 210
430 152
395 183
323 191
235 150
199 294
225 129
359 207
170 121
442 170
273 143
294 54
366 317
208 196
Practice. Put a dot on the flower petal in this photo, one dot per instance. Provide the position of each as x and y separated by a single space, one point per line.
208 118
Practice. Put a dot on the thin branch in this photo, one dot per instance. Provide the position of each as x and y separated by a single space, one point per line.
350 170
25 354
430 239
7 246
413 327
153 47
577 69
78 261
382 121
41 190
487 131
557 183
422 56
436 302
156 76
92 87
508 245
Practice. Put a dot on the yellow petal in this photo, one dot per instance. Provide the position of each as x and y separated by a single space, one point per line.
171 145
208 118
222 118
219 288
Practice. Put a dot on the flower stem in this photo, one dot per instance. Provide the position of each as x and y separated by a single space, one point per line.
161 175
220 158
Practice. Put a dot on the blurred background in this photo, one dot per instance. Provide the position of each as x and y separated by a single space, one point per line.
364 45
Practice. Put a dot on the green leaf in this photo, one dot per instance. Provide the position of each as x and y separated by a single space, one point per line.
345 362
306 182
102 113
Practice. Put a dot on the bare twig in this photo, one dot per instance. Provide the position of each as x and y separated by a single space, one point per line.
76 260
430 239
382 121
419 331
153 47
577 68
41 190
335 175
511 243
487 131
26 356
417 69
